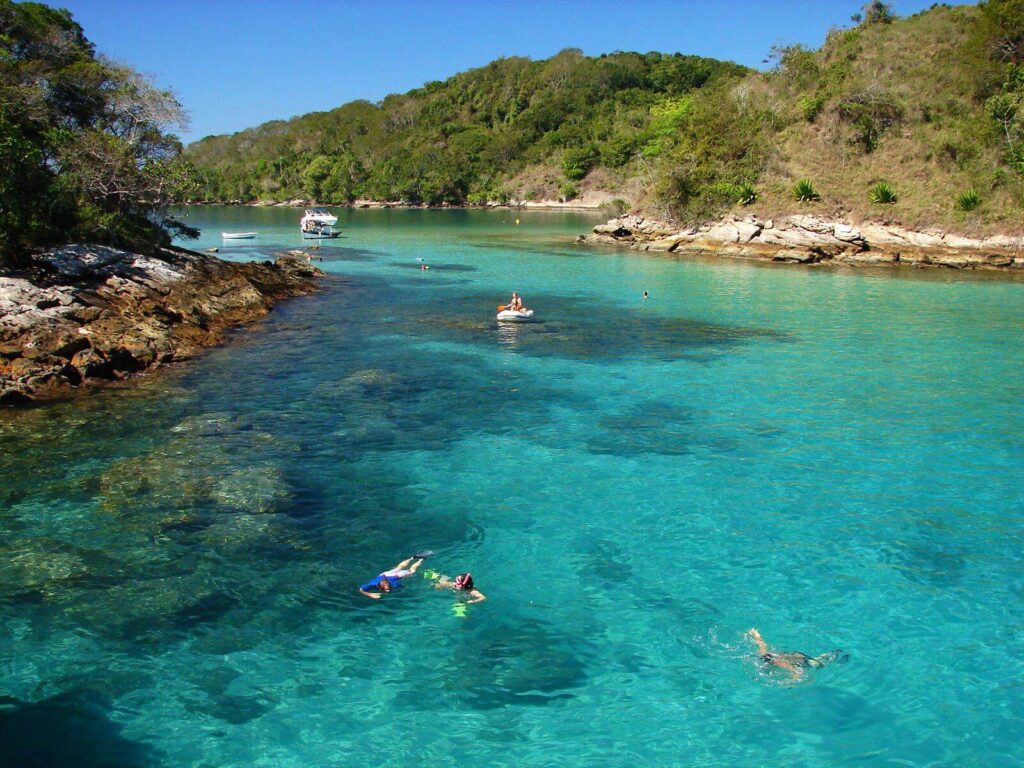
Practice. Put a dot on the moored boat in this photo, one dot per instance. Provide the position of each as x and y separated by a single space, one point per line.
238 235
318 224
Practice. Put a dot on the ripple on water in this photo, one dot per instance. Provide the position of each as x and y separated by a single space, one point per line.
523 663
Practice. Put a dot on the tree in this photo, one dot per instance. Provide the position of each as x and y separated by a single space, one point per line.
86 145
877 12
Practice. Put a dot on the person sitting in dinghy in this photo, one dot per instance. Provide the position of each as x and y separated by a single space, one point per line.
516 304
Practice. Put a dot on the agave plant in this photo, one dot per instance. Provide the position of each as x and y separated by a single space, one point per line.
745 193
882 194
968 200
804 191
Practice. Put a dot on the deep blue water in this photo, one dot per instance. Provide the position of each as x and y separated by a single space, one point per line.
832 456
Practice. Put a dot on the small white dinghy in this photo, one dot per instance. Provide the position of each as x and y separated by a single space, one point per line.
238 235
515 315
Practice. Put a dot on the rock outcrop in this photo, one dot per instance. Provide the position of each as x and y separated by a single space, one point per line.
84 315
810 240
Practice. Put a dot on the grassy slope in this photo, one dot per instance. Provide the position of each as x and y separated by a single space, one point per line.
943 145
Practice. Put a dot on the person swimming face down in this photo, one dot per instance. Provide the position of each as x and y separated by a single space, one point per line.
464 581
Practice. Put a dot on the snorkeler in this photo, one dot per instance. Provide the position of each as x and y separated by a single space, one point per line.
463 583
392 579
794 662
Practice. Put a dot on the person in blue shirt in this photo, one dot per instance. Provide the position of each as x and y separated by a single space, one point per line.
392 579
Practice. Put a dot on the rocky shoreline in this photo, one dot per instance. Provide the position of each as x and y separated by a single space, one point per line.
806 239
84 316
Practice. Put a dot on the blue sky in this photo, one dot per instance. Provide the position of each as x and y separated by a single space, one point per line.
236 64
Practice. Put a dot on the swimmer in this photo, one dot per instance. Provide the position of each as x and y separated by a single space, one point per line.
463 583
392 579
794 662
645 295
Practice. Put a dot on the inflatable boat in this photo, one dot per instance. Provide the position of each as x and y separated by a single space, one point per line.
515 316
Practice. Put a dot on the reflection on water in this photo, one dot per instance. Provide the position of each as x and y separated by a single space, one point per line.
509 333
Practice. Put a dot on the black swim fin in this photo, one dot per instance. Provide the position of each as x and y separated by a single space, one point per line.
424 553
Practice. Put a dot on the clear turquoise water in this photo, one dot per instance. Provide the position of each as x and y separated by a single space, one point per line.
831 456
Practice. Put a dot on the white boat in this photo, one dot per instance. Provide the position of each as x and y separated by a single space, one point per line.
318 224
238 235
320 216
515 315
311 231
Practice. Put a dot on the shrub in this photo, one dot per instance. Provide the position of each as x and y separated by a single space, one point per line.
882 194
568 191
969 200
810 106
871 114
577 162
804 191
745 193
619 205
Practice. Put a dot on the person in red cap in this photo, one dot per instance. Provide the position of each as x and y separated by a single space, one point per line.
464 584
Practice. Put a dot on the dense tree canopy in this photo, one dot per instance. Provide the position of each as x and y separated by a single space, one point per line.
460 139
85 151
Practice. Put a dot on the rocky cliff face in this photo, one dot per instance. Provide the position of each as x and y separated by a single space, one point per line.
86 315
808 239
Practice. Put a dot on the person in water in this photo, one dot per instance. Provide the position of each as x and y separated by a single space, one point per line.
793 662
392 579
463 583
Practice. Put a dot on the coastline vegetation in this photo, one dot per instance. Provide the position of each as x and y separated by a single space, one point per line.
471 137
933 102
85 147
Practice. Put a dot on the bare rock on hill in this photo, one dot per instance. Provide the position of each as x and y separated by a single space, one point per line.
85 315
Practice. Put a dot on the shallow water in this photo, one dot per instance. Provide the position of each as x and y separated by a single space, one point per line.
831 456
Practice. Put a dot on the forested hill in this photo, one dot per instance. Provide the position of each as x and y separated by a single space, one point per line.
469 137
916 120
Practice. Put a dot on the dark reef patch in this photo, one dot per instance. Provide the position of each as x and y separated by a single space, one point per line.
651 426
577 328
72 730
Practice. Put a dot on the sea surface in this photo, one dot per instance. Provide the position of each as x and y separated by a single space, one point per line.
832 456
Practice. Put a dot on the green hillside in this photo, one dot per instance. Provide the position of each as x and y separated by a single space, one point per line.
465 138
927 106
916 120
